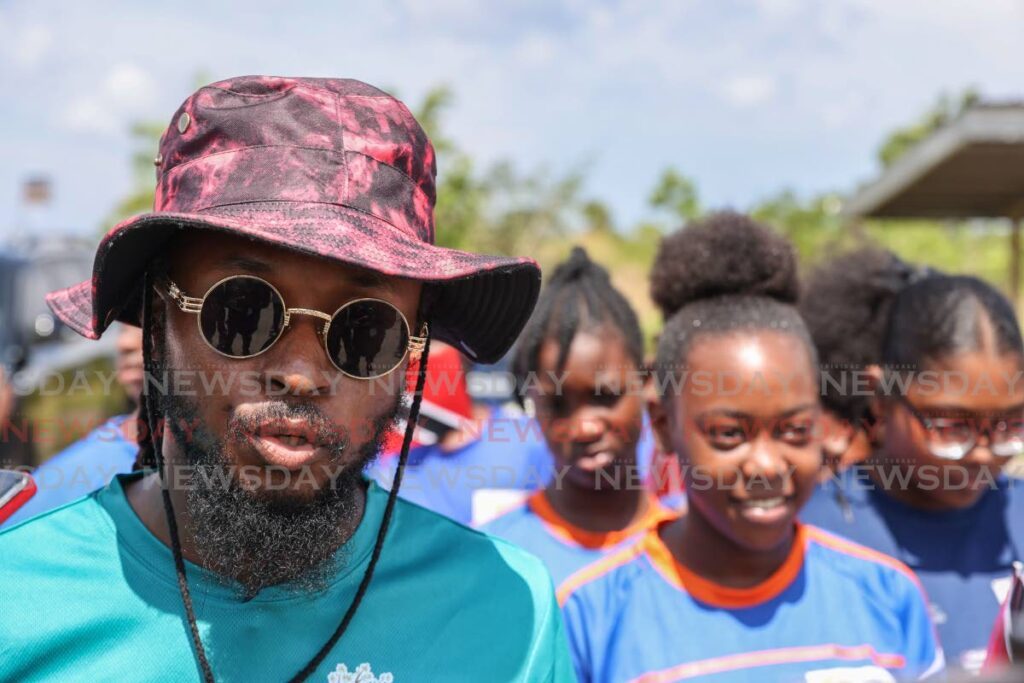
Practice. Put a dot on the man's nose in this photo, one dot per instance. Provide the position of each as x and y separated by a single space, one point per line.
298 364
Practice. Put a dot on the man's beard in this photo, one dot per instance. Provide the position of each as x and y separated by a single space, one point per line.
257 539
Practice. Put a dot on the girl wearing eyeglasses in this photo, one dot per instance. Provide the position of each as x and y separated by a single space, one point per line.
945 415
738 589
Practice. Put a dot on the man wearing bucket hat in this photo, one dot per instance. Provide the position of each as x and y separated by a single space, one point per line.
285 283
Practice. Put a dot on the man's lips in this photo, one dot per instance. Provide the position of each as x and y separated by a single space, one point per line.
288 443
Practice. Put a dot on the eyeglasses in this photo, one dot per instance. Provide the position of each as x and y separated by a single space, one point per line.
953 438
242 316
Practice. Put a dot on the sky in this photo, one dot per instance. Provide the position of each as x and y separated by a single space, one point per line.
747 97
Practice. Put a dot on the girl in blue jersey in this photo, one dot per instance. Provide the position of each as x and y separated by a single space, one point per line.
579 363
737 589
945 361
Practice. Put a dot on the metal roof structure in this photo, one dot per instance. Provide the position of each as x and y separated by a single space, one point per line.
971 168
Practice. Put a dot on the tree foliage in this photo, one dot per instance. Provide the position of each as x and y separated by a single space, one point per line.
945 110
676 196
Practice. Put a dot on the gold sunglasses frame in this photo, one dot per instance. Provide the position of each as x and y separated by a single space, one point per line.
191 304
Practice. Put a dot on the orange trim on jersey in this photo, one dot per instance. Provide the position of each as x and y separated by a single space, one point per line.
788 655
596 570
718 595
848 547
561 529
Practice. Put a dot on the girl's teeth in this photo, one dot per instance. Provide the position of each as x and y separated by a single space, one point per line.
764 502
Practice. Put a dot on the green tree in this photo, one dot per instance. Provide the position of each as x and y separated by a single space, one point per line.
812 225
145 136
944 111
145 141
597 216
675 195
499 209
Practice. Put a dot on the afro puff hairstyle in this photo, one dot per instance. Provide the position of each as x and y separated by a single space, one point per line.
724 273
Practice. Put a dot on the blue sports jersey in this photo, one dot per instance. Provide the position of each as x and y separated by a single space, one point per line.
963 557
78 470
563 548
834 611
510 454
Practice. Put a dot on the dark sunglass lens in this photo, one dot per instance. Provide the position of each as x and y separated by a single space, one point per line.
367 338
242 316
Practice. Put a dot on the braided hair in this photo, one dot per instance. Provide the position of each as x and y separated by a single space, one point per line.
868 307
578 297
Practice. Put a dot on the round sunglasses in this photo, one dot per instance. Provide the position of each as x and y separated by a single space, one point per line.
243 316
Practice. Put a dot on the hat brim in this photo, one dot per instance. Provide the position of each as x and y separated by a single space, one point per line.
481 302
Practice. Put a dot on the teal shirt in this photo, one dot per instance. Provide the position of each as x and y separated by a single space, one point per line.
88 593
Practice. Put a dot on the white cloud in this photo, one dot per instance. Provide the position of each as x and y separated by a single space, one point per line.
748 91
88 115
129 86
127 90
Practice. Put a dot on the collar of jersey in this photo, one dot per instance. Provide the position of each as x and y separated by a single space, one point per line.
137 540
567 533
726 597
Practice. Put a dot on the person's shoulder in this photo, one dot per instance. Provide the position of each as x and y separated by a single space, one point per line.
479 550
41 540
842 504
847 562
106 438
510 521
1014 491
607 578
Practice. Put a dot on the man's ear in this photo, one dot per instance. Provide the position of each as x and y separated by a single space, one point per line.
428 297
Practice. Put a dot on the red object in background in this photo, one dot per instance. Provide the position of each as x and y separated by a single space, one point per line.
666 476
446 402
25 487
1000 652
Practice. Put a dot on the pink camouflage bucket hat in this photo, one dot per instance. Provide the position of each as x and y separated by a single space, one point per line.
329 167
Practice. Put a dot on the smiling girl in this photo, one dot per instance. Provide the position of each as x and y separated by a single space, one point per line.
738 588
948 416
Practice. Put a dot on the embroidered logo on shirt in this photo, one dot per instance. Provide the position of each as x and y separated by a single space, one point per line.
362 674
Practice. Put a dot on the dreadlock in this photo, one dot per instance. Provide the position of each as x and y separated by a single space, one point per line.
151 454
578 297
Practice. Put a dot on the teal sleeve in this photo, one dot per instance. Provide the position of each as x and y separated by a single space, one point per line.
561 665
549 660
